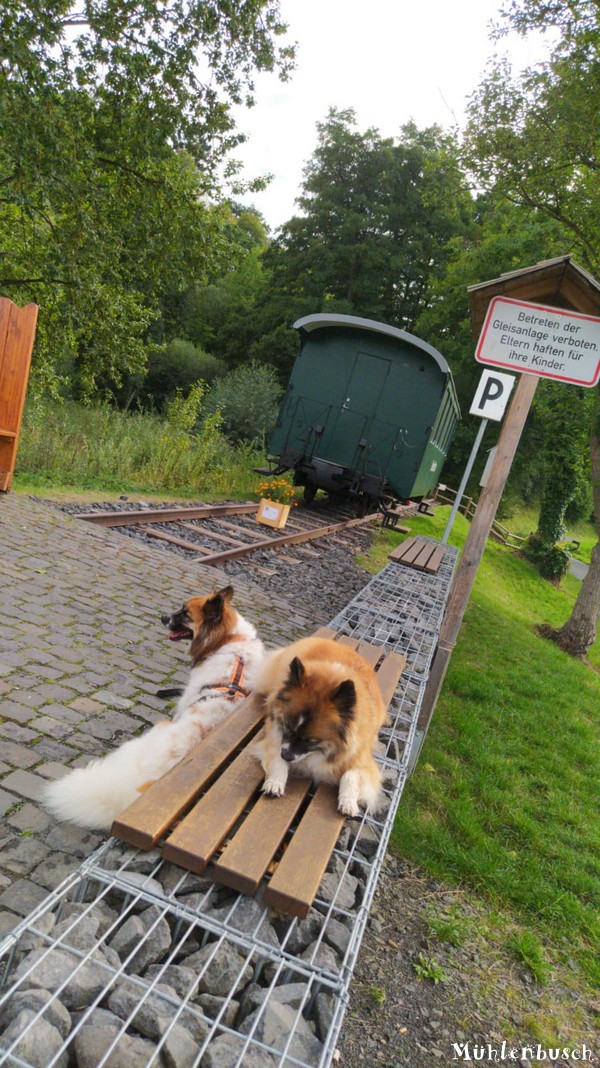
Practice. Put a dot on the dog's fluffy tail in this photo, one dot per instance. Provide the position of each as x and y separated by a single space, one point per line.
94 796
91 797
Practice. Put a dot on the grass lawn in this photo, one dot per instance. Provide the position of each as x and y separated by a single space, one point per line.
505 796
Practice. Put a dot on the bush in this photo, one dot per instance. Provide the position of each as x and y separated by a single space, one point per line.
70 444
248 400
178 366
552 561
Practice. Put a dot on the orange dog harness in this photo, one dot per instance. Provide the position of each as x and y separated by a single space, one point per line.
233 689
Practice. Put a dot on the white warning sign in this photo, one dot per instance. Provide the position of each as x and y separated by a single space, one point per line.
538 340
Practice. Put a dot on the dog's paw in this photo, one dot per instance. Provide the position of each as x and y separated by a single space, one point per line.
348 807
273 788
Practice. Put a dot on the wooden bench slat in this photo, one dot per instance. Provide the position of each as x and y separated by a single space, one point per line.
371 653
350 643
427 549
400 551
420 554
202 831
296 880
245 859
154 811
389 674
433 565
412 552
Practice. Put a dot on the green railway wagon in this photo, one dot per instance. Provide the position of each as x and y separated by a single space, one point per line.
369 410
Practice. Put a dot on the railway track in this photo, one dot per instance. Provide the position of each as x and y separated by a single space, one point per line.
227 532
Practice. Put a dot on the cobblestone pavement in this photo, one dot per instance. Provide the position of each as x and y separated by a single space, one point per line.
82 653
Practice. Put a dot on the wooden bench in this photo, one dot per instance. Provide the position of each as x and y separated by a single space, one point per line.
419 553
210 809
17 333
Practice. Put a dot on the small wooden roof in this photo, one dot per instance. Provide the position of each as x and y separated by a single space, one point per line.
559 283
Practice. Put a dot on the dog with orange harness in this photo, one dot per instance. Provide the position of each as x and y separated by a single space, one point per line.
226 654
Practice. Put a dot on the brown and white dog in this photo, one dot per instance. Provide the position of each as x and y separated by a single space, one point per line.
225 654
323 713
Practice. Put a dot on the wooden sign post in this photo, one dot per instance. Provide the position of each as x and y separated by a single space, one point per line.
17 333
545 342
476 541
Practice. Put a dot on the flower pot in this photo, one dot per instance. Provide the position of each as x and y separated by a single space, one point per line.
272 513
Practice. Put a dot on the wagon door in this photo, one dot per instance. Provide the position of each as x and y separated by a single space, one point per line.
350 427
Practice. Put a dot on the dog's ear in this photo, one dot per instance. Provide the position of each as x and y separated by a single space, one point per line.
213 608
296 674
344 699
226 593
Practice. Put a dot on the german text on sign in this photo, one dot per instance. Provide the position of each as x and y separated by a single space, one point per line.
538 340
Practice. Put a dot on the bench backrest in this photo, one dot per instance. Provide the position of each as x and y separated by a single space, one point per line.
17 333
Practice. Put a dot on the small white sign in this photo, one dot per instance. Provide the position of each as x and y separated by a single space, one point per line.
538 340
492 395
270 512
483 481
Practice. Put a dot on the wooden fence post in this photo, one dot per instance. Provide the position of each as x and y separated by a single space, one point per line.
17 333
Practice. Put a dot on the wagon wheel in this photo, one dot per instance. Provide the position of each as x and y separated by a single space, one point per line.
310 492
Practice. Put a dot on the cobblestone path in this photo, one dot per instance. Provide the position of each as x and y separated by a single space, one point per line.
82 653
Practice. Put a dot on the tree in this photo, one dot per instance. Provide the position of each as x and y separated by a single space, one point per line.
502 237
115 122
565 418
579 632
376 218
535 139
534 136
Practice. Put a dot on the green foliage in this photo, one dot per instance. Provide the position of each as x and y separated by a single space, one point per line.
110 164
428 968
533 136
217 315
448 927
248 401
177 366
377 216
69 444
552 561
527 948
502 238
566 420
378 994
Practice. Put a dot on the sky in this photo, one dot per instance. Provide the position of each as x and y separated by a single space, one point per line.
390 60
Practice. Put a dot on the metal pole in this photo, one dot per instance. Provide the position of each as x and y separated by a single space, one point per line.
465 479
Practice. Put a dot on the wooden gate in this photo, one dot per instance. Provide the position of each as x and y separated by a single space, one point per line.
17 332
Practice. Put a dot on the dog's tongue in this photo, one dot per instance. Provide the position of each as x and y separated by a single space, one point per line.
177 635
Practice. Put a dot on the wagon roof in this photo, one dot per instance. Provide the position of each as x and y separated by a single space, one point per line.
314 322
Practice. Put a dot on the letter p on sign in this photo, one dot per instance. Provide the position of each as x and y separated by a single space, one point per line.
492 395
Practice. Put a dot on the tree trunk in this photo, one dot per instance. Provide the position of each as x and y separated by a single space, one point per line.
579 632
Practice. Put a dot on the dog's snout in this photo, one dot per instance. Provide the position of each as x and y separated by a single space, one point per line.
165 620
287 754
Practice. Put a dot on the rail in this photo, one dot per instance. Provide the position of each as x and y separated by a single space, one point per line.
208 526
